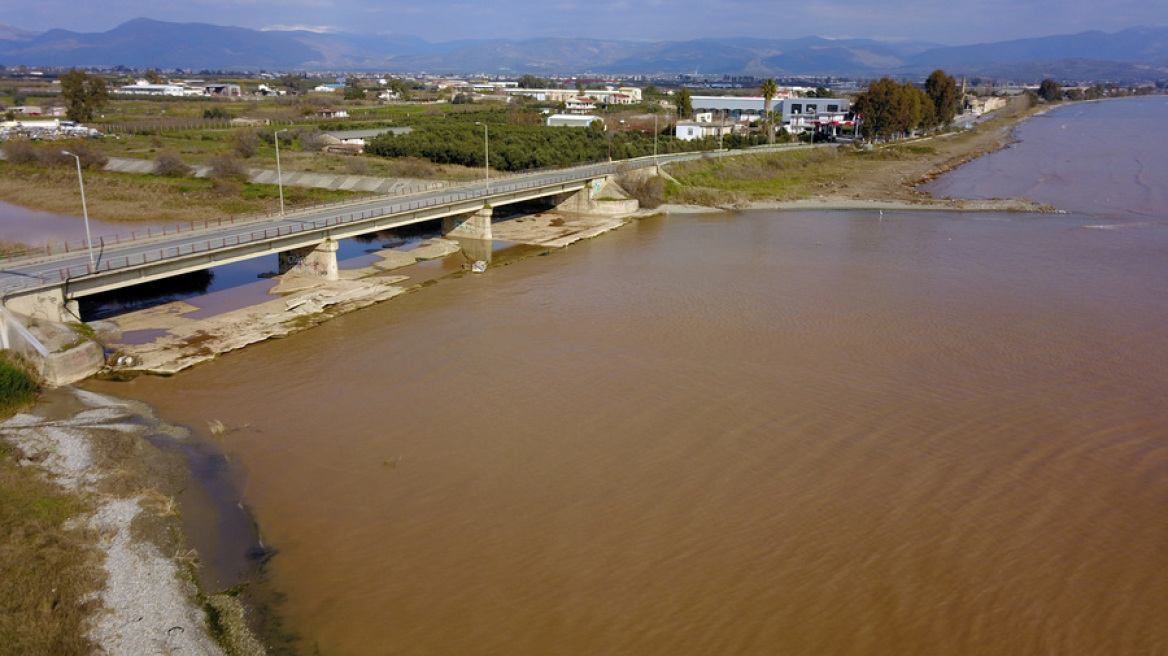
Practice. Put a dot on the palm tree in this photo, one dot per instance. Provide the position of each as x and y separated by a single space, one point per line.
769 90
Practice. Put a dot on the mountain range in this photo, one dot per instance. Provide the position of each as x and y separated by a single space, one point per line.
1137 54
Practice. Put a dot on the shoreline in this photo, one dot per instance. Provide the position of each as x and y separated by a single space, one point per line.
98 448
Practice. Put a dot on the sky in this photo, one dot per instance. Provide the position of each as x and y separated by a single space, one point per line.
946 22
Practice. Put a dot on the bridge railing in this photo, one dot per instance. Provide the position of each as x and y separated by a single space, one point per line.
55 249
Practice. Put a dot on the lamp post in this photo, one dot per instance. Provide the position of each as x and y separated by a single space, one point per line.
279 173
654 139
487 154
84 209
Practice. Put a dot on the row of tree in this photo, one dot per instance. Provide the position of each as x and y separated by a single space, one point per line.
889 108
523 147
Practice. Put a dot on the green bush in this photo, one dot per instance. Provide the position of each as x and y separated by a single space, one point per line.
17 387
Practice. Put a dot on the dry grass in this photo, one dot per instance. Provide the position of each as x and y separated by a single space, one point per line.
47 572
125 198
767 176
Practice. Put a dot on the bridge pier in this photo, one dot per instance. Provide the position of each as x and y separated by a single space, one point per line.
318 261
476 225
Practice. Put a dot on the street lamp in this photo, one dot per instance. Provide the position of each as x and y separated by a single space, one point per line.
654 139
487 151
84 209
279 173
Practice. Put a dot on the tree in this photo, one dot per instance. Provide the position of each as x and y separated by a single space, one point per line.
84 95
1050 91
399 86
683 102
769 90
888 108
297 84
153 77
530 81
942 90
353 89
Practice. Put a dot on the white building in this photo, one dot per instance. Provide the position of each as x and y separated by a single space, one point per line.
819 114
143 88
573 120
580 105
691 130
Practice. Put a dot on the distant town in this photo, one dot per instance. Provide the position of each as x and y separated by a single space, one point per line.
32 103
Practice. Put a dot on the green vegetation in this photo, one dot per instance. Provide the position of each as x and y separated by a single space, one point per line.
518 147
683 102
888 108
17 387
84 94
942 90
1050 91
769 89
785 175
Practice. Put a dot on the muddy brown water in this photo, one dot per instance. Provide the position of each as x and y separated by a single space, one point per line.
754 433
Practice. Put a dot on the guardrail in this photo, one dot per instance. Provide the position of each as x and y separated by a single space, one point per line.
56 249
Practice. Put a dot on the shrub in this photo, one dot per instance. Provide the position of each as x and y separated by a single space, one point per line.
91 157
246 143
17 387
357 166
171 165
311 140
20 151
226 166
226 187
412 167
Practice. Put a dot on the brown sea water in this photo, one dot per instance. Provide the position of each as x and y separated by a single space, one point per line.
754 433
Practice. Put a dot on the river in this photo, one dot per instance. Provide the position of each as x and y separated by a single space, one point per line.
750 433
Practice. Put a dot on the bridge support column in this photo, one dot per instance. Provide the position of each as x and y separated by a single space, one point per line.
476 225
47 304
319 261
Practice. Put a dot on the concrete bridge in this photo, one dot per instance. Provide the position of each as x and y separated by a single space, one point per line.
47 286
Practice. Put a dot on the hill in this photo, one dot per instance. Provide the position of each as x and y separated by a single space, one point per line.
1130 55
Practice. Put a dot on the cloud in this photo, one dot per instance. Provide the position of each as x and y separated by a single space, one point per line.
318 29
